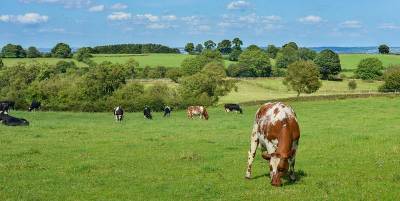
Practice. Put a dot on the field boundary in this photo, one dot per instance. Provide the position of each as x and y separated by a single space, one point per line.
322 97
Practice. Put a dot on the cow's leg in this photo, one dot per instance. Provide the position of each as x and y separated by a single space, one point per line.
252 153
292 162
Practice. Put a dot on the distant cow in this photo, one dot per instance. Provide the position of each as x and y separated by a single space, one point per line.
12 121
200 111
34 105
7 105
118 113
167 111
147 113
233 107
277 132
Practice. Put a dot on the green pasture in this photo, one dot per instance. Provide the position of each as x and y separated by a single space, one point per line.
350 61
349 150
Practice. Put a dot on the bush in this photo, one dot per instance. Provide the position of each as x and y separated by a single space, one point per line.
384 49
13 51
328 62
234 55
32 52
61 50
255 61
303 77
307 54
392 80
129 96
352 85
286 56
1 64
272 51
369 69
158 72
278 72
193 65
174 74
83 54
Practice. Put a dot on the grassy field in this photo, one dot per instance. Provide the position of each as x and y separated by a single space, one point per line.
348 151
14 61
272 88
167 60
350 61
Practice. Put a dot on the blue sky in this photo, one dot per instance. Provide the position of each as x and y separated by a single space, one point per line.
43 23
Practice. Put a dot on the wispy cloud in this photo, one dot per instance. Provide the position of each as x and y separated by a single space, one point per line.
238 5
351 24
251 21
389 26
27 18
310 19
118 16
119 6
65 3
97 8
52 30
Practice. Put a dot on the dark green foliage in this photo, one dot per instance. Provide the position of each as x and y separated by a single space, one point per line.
83 54
369 69
61 50
199 48
234 55
189 48
303 77
328 62
384 49
133 49
306 54
174 74
256 61
392 80
237 43
272 51
352 84
209 45
195 64
1 64
225 46
157 72
292 45
130 67
33 52
13 51
286 56
253 47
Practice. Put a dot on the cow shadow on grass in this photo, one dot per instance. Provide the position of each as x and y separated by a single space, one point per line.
299 175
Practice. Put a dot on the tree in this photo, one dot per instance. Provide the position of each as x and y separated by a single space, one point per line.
199 48
291 44
1 64
392 80
256 61
33 52
237 43
13 51
174 74
303 77
234 55
130 67
253 47
192 65
272 51
286 56
189 48
369 69
352 84
328 62
225 46
83 54
209 45
384 49
307 54
61 50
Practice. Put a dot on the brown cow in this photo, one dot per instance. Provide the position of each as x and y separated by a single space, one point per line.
276 130
197 111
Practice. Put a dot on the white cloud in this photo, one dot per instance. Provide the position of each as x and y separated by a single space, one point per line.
52 30
27 18
65 3
157 26
389 26
97 8
119 16
238 5
119 6
169 17
351 24
251 21
149 17
310 19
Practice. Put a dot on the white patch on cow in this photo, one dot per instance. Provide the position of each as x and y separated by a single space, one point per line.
274 162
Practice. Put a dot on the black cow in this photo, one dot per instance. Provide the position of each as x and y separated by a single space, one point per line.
118 113
35 105
233 107
147 113
11 104
4 107
12 121
167 111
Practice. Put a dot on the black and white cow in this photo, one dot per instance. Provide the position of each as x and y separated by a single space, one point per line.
118 113
147 113
233 107
6 105
34 105
167 111
12 121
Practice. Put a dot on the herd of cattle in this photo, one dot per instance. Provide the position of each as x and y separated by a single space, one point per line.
275 131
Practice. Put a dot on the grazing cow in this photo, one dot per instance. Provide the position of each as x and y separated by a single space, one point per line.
200 111
7 105
147 113
233 107
167 111
34 105
118 113
12 121
277 132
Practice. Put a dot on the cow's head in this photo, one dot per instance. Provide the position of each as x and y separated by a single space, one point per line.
278 165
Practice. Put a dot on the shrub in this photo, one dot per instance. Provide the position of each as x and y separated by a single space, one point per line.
83 54
256 61
129 96
61 50
193 65
369 69
384 49
306 54
352 85
303 77
234 55
286 56
174 74
33 52
1 64
328 62
158 72
392 80
272 51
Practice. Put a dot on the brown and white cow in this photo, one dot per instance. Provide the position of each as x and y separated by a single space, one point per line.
197 111
277 132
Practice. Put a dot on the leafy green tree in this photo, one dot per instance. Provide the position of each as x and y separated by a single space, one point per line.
129 96
272 51
369 69
286 56
192 65
83 54
13 51
237 43
209 45
303 77
292 45
352 84
307 54
199 48
328 62
253 47
33 52
174 74
130 67
234 55
257 61
392 80
61 50
189 48
384 49
225 46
